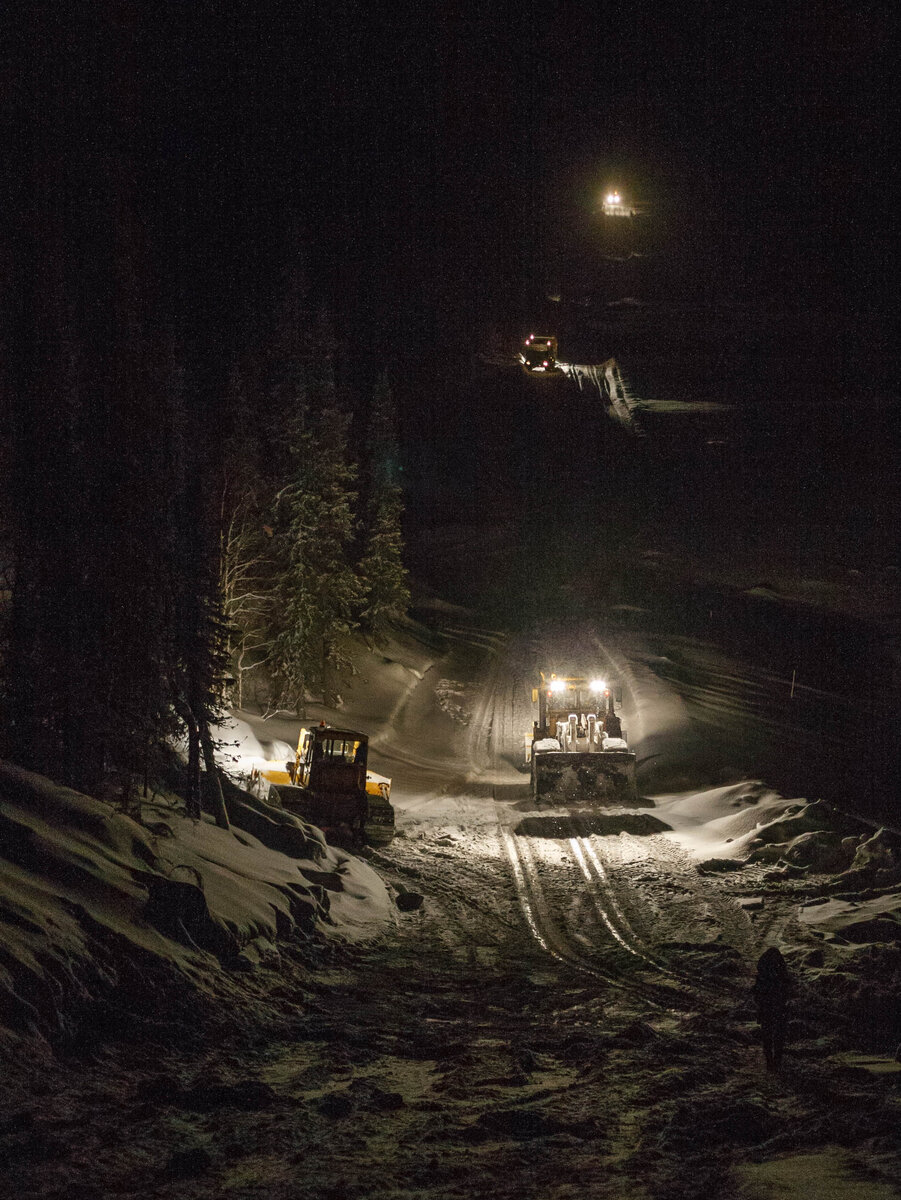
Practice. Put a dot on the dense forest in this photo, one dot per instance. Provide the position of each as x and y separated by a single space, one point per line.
196 490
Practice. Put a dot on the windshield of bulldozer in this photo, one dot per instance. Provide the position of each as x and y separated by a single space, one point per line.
341 749
561 706
562 696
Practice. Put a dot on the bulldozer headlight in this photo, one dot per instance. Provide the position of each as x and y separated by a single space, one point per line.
598 685
558 685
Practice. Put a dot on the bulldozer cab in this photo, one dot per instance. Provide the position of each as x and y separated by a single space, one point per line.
562 697
331 760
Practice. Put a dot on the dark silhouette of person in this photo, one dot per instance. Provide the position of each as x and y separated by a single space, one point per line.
772 988
611 724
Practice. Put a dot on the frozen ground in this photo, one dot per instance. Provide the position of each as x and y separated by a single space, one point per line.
565 1012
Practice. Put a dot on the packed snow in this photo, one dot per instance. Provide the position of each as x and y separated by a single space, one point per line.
509 983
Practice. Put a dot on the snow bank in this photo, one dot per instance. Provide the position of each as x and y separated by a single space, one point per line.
721 815
748 818
85 889
852 919
748 823
255 891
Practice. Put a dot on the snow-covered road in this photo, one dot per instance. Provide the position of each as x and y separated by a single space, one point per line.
595 890
559 1008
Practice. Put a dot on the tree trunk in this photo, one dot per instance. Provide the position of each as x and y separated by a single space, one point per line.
193 796
192 799
327 692
214 785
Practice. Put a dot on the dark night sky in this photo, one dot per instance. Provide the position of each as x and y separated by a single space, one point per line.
765 123
417 149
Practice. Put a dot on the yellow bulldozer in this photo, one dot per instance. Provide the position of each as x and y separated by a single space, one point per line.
329 784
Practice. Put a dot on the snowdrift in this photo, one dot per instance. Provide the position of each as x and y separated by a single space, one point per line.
86 892
94 902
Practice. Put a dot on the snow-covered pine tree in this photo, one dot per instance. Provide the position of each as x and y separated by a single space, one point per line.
288 507
318 591
264 419
385 579
247 565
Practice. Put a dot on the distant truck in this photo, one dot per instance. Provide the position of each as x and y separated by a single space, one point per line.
328 783
577 749
539 353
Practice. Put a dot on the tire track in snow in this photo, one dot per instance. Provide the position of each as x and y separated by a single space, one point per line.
542 928
728 916
599 870
604 899
589 879
670 993
708 904
493 736
480 734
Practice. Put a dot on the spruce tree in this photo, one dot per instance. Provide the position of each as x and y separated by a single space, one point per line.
317 590
384 577
247 566
288 509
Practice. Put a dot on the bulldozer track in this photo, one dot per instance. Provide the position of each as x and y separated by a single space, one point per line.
610 911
